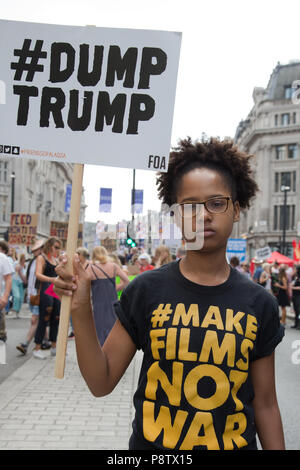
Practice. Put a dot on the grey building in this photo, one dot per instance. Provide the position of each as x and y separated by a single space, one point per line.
33 186
271 132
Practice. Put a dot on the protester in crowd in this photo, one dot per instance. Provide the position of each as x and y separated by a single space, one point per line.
104 291
296 297
245 269
123 262
265 277
176 314
84 256
18 282
235 263
12 257
145 263
258 270
162 256
275 268
6 271
49 309
282 297
133 251
32 294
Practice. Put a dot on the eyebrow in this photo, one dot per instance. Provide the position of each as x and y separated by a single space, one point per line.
195 199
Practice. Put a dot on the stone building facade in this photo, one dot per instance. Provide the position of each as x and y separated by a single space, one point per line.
38 187
271 132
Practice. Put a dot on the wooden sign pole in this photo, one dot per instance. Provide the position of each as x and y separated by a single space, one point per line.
65 309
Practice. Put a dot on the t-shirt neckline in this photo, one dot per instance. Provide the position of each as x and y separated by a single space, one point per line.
219 288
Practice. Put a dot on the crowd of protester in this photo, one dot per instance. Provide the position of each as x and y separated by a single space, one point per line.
112 272
280 280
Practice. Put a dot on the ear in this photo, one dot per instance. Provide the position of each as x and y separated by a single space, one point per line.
236 211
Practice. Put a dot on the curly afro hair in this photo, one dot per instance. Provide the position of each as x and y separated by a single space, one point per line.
221 156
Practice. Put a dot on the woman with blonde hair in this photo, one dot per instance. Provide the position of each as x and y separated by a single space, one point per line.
265 277
104 290
162 256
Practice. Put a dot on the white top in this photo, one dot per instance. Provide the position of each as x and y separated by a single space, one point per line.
31 290
5 268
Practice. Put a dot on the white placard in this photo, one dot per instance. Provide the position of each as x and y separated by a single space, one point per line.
263 253
87 94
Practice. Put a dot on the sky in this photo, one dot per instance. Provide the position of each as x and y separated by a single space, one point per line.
228 48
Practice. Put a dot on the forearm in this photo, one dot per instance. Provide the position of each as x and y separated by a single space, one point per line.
7 289
269 427
91 359
42 278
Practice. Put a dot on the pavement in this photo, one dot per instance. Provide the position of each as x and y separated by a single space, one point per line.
40 412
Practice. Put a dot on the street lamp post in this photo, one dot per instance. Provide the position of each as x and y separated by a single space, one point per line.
285 190
13 177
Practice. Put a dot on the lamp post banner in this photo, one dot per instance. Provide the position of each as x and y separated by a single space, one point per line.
88 95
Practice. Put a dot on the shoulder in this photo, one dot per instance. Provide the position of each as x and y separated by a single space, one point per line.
148 279
254 290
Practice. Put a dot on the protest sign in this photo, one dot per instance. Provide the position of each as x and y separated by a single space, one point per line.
22 229
87 94
60 230
236 247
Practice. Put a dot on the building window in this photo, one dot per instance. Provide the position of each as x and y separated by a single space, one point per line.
288 92
3 171
292 151
3 209
294 118
285 119
276 120
286 178
279 149
278 218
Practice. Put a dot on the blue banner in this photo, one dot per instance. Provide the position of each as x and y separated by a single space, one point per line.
68 198
105 199
236 247
138 201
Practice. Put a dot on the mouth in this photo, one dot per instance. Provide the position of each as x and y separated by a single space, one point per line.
208 232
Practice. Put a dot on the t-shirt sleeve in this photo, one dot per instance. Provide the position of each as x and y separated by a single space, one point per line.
7 267
129 310
270 331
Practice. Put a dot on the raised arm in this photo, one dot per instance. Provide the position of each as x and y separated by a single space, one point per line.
102 368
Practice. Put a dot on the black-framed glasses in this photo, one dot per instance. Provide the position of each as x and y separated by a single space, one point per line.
214 205
57 247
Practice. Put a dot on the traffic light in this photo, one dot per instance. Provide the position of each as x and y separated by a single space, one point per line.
130 241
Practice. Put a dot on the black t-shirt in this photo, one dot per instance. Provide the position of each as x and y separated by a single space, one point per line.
194 389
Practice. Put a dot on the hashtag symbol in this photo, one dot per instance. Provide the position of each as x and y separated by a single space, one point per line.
161 315
34 55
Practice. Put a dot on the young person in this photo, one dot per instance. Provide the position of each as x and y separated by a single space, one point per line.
207 332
